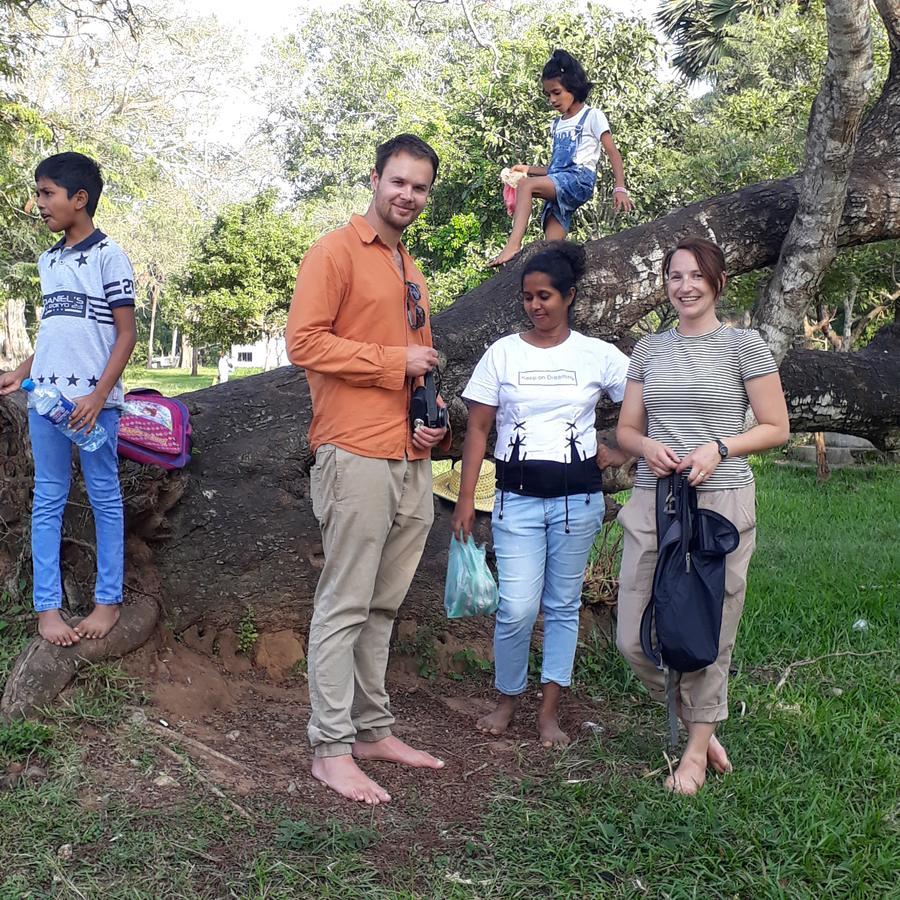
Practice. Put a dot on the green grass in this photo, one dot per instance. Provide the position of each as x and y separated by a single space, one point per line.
172 382
812 810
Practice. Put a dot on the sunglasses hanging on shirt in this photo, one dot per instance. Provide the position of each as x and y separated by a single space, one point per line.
415 314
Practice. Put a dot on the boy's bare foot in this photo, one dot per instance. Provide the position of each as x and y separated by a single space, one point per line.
717 757
505 255
343 775
391 749
497 721
100 622
689 777
54 629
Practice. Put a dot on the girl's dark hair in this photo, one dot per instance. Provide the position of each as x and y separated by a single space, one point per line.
568 70
563 262
709 256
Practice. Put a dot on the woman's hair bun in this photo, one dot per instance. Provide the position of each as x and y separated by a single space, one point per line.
563 261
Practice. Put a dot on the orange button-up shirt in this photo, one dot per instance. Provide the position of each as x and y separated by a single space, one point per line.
348 328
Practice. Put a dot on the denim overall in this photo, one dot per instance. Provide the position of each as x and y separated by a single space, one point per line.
574 183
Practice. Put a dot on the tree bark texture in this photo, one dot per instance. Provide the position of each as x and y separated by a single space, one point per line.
154 303
15 345
811 242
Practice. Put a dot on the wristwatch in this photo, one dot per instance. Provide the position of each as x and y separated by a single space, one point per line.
723 450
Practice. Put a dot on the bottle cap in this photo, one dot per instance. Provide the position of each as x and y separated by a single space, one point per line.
28 384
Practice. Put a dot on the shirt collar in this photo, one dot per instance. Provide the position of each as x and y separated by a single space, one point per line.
367 234
88 242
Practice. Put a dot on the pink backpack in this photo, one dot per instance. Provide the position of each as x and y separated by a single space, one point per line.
155 430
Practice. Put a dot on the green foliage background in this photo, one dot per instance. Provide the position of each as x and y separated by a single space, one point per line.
216 235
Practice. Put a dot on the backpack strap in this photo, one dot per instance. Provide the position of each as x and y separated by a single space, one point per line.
672 682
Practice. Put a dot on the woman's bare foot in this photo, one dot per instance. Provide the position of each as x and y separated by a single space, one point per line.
497 721
551 734
100 622
717 757
505 255
548 718
391 749
54 629
689 777
343 775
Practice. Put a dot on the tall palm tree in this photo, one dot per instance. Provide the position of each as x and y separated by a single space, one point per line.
697 28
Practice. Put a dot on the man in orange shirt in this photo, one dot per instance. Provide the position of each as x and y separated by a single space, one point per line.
360 325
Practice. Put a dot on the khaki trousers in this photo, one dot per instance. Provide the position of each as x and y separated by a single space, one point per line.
704 694
374 515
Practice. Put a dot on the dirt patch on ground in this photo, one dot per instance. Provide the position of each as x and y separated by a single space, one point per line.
247 737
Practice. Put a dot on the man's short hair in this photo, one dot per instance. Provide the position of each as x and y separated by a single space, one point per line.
74 172
405 143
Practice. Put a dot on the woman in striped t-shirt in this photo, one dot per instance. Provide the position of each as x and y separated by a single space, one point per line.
684 410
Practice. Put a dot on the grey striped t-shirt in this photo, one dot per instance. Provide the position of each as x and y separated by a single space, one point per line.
694 393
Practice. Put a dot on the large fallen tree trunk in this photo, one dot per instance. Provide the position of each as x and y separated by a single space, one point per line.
234 536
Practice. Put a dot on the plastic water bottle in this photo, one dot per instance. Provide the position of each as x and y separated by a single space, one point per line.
56 408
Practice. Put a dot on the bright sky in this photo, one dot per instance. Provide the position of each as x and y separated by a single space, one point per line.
268 17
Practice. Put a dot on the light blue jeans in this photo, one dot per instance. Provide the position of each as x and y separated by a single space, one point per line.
541 568
52 452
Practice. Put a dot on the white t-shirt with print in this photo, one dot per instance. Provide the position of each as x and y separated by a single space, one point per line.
546 396
588 148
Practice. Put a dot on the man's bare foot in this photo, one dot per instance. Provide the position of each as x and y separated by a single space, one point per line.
391 749
689 777
100 622
343 775
717 757
53 628
497 721
505 255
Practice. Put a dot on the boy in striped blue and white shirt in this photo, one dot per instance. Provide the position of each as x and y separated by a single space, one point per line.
86 338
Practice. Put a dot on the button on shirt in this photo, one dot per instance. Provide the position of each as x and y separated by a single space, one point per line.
348 328
81 286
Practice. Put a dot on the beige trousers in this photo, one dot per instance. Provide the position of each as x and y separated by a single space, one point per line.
704 694
375 515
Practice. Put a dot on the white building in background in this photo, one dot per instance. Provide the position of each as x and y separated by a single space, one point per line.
265 354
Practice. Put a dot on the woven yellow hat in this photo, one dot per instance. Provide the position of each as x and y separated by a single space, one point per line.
446 485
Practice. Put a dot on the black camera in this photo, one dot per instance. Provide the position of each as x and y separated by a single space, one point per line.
423 408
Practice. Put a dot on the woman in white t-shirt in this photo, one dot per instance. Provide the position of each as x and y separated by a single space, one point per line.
540 389
579 136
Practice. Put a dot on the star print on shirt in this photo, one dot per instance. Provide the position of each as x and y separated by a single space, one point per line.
92 381
72 379
103 244
82 260
53 378
53 262
41 380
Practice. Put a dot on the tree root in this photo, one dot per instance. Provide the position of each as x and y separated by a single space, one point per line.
207 782
43 669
